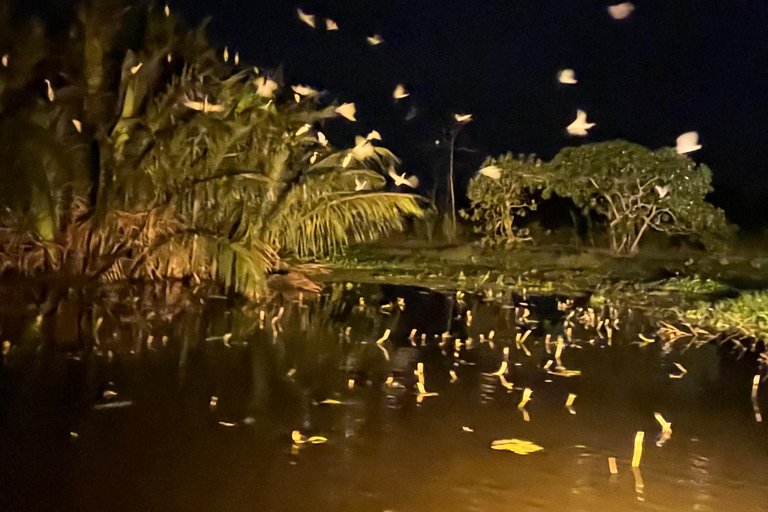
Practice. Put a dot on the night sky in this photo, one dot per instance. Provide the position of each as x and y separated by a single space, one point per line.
671 67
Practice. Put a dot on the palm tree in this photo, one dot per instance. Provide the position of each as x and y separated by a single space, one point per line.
180 166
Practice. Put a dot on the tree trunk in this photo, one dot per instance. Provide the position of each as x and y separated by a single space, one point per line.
450 184
636 243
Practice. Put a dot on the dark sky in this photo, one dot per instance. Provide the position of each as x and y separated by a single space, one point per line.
673 66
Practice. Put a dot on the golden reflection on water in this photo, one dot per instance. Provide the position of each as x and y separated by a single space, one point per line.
352 391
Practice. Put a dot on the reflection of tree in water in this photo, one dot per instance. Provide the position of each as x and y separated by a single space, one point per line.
174 348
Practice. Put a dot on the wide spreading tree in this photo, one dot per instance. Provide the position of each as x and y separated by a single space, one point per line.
637 190
634 189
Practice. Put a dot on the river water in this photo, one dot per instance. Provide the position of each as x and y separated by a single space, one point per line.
163 399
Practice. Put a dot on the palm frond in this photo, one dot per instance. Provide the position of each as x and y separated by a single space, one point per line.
330 222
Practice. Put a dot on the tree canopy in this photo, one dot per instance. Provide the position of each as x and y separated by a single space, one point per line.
635 189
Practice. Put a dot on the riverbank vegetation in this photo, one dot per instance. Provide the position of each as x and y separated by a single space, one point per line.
134 150
131 149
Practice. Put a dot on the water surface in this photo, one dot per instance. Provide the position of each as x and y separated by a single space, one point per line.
108 404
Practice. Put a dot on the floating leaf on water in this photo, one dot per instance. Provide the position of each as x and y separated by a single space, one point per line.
330 401
467 429
517 446
226 424
612 465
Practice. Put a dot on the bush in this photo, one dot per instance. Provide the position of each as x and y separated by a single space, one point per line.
497 203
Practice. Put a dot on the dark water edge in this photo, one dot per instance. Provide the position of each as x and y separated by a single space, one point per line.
160 444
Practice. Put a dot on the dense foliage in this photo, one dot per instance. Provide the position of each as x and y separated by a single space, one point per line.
128 146
634 189
497 203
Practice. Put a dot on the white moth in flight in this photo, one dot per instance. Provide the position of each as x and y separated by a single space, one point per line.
363 149
567 76
78 125
621 11
375 40
400 92
687 143
463 118
580 125
330 25
304 90
135 69
411 181
309 19
265 87
347 110
491 171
